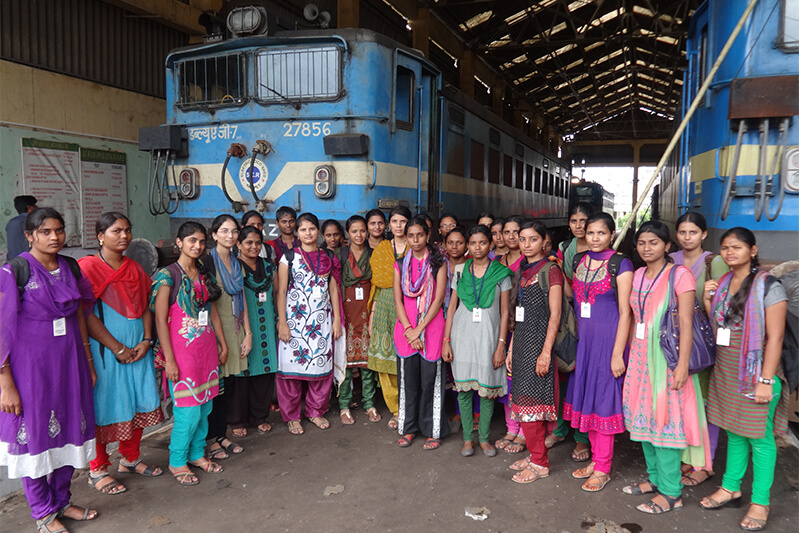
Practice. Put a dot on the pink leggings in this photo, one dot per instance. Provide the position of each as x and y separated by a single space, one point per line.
513 427
602 451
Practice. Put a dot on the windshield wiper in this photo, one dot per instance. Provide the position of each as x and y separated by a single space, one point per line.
286 99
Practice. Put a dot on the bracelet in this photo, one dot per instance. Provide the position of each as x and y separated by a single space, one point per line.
121 350
248 334
766 381
90 359
5 365
409 327
447 339
502 340
87 343
148 340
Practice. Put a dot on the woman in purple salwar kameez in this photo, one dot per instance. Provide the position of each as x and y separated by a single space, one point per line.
46 374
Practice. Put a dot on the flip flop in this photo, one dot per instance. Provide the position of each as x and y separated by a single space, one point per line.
264 427
552 439
502 443
185 478
242 433
374 415
581 456
520 445
208 466
347 418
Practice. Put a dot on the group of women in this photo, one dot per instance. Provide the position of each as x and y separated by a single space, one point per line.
235 321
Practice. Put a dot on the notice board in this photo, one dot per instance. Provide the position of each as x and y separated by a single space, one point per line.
80 183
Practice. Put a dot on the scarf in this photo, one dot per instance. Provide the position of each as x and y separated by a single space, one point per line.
382 263
487 285
503 259
260 279
422 289
355 271
125 289
753 329
233 283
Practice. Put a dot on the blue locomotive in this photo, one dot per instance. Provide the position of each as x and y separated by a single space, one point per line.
335 122
738 158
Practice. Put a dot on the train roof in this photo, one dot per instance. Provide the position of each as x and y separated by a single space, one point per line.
345 35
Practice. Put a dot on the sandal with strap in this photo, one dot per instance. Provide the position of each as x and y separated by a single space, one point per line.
431 444
690 481
85 512
185 478
217 454
651 507
347 418
516 447
405 441
295 428
150 471
520 465
735 502
232 447
760 523
538 473
43 525
584 472
393 423
320 421
264 427
374 415
108 488
638 490
209 467
596 482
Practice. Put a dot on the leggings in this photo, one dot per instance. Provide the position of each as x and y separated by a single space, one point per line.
129 449
465 400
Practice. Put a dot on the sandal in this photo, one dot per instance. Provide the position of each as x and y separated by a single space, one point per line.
393 422
43 525
374 415
520 465
580 456
112 488
239 432
760 523
638 490
431 444
62 513
231 447
217 454
552 439
691 481
585 472
185 477
516 447
149 471
295 428
264 427
207 466
596 482
538 473
652 507
406 440
735 502
501 444
320 421
346 418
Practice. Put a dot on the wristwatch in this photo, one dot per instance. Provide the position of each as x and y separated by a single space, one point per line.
766 381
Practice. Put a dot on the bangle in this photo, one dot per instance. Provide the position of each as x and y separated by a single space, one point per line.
248 334
3 366
447 339
502 340
121 350
90 359
409 327
87 343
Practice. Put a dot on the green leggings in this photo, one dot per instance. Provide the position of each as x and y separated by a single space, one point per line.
562 426
764 456
487 409
664 468
368 380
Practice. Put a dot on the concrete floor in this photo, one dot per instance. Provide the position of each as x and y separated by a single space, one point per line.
278 484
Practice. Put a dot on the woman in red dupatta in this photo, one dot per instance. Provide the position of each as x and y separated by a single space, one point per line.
126 393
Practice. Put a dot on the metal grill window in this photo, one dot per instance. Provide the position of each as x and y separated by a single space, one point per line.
291 74
218 80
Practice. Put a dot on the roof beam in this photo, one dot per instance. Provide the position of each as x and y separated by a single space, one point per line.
171 13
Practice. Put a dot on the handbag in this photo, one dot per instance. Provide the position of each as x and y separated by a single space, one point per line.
704 347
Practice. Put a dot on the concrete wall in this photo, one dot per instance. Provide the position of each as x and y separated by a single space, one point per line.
44 105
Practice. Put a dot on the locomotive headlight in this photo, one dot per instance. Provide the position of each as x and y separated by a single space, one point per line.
324 181
791 170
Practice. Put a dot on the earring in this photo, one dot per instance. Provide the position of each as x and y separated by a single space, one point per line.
101 243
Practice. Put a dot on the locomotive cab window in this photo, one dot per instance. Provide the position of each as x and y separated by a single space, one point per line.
788 32
404 99
212 81
292 74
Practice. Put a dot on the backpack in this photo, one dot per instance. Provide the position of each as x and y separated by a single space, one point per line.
614 263
709 259
22 271
566 344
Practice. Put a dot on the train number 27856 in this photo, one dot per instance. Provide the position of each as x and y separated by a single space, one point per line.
306 129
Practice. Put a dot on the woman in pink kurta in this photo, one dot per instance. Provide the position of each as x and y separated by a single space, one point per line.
419 285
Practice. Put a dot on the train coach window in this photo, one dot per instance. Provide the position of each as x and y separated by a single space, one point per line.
538 186
520 182
476 157
494 166
788 32
404 99
455 153
287 75
508 169
218 80
529 177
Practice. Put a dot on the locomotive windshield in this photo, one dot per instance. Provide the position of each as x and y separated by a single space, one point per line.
298 74
218 80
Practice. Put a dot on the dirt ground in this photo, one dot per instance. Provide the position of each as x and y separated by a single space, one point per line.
279 484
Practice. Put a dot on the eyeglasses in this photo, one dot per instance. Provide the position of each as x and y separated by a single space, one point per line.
226 231
447 226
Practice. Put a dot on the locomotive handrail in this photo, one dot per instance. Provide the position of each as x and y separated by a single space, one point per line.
682 126
783 132
730 183
374 174
716 164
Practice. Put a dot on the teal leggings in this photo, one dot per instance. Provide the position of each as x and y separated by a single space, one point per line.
189 430
765 454
487 409
664 468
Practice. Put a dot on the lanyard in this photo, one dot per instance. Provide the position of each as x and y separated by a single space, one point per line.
586 281
395 249
519 288
476 292
642 302
199 298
